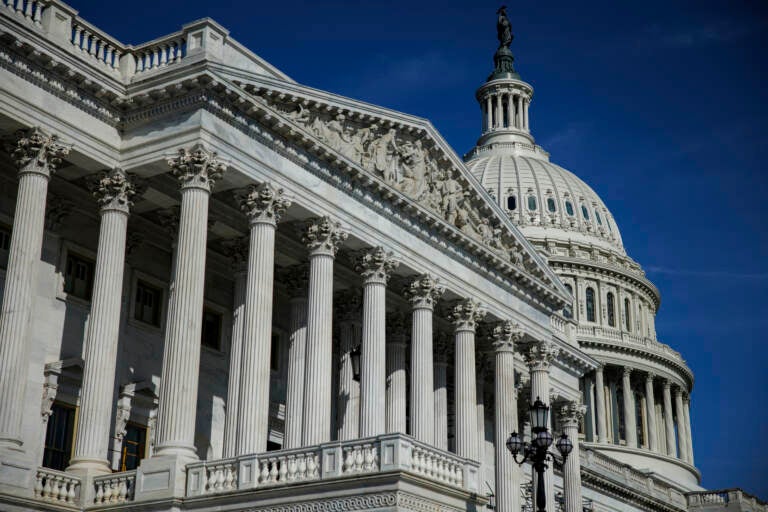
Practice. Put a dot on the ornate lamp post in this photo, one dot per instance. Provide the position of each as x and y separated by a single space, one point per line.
537 451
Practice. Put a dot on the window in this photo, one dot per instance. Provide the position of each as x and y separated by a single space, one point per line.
608 223
598 219
59 435
511 203
611 309
639 413
627 320
531 203
134 446
590 305
569 208
584 212
274 353
567 309
211 335
5 245
148 302
551 205
78 276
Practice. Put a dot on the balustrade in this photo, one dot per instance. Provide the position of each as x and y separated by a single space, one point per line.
31 10
96 45
56 486
114 488
160 53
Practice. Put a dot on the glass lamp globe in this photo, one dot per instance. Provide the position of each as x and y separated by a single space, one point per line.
564 445
543 439
539 415
514 443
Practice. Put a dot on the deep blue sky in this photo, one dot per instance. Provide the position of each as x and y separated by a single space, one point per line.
659 106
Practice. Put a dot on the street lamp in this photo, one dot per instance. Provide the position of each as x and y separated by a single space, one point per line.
354 358
537 451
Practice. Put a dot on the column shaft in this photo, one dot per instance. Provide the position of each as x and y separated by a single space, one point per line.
510 111
422 377
349 388
396 376
630 417
602 433
526 105
689 434
519 113
294 402
466 395
650 402
505 405
570 416
235 361
682 436
488 113
669 421
441 401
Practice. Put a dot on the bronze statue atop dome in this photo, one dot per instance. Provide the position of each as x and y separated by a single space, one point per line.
503 28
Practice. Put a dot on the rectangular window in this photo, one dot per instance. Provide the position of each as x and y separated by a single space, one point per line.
148 301
5 245
59 436
78 276
211 335
274 353
134 446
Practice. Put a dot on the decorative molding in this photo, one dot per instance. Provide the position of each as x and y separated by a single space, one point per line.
323 236
114 190
196 168
264 203
375 265
424 292
35 151
466 314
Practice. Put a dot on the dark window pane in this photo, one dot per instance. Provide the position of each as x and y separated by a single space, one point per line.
611 310
148 301
5 244
597 218
511 203
567 309
627 322
59 436
590 305
531 203
584 212
569 208
134 446
78 276
551 205
211 334
274 353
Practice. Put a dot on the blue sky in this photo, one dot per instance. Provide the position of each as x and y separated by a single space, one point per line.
659 106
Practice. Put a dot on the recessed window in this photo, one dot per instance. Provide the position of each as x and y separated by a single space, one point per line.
608 223
585 212
148 301
531 203
211 335
274 353
59 435
611 309
511 203
598 219
590 304
569 208
78 276
551 205
567 309
5 245
627 319
134 446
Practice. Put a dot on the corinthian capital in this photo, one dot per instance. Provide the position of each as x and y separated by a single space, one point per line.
505 335
323 236
424 291
540 355
264 203
466 313
37 152
114 190
198 168
376 265
571 414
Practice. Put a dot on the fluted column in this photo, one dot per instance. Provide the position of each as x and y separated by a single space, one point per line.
114 192
348 314
295 279
322 237
197 170
682 437
264 204
570 416
375 266
519 116
602 433
238 254
499 112
423 293
510 110
689 434
526 105
539 357
488 113
465 316
480 372
37 155
505 336
397 384
441 393
630 417
650 403
668 420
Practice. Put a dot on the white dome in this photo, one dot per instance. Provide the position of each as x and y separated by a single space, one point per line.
538 187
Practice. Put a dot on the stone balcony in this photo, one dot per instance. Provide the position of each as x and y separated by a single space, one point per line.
732 500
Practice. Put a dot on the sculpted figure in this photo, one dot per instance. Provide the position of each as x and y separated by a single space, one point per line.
336 134
453 195
384 154
503 28
414 170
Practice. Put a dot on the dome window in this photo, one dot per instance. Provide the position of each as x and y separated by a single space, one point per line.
532 203
567 309
627 319
569 208
585 212
511 203
590 304
551 205
598 219
608 223
611 309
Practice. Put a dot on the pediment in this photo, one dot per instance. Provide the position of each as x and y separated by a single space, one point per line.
406 159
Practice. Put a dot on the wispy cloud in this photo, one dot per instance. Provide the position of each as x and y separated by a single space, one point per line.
572 134
713 33
722 274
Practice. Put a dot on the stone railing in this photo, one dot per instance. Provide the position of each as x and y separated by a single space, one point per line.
520 146
114 488
96 46
57 486
334 460
733 500
629 339
31 10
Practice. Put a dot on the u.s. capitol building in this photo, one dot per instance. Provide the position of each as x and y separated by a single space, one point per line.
224 290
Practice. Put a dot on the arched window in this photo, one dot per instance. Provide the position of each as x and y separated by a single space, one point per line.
590 305
511 203
608 223
569 208
551 205
598 219
627 319
567 309
585 212
611 309
532 203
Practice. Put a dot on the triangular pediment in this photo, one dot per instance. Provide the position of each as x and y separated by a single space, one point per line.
406 159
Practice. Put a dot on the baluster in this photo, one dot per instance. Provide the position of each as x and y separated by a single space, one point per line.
283 468
273 471
55 488
28 10
302 475
19 5
369 457
76 36
228 478
349 460
175 52
265 471
84 42
122 491
109 56
38 484
95 41
359 458
220 478
156 58
99 492
163 55
72 494
47 487
212 479
38 12
101 53
312 466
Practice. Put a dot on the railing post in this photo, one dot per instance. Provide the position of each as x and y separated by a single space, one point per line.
127 65
205 36
57 19
331 460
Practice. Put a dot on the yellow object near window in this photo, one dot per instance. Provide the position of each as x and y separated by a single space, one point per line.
134 446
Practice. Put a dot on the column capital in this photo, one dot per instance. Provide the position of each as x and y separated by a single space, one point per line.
505 335
264 204
424 292
667 385
540 355
237 252
571 414
114 190
678 392
37 152
627 371
323 236
295 278
375 265
466 314
650 376
196 168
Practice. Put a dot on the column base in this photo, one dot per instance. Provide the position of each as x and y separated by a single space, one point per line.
162 476
89 467
16 471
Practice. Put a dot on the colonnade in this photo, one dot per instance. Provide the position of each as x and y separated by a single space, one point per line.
612 394
505 110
